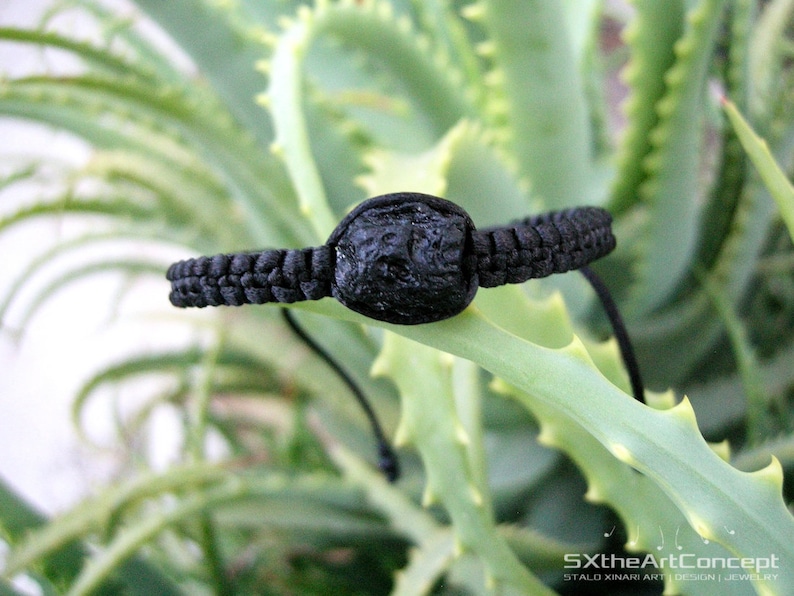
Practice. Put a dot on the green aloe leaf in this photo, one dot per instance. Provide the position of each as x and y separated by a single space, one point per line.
536 71
665 445
650 36
773 176
62 558
671 187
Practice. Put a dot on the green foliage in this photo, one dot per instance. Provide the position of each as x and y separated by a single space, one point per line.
291 113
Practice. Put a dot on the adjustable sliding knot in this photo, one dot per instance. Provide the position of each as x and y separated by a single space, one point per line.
404 258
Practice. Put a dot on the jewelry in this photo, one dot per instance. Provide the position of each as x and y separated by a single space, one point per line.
403 258
407 258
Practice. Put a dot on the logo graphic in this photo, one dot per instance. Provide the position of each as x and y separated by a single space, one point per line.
676 563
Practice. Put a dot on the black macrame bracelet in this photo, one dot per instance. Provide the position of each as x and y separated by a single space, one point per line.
404 258
407 259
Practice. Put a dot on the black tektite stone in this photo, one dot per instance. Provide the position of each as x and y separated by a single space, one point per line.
401 258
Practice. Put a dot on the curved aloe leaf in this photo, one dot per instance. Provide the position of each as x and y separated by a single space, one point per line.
62 559
776 181
671 188
433 418
665 445
727 192
650 37
548 118
369 28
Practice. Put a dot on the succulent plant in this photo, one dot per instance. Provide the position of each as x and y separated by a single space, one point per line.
524 457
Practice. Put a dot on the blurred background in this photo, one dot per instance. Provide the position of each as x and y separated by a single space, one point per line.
42 369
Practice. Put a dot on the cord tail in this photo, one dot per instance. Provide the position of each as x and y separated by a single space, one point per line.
619 329
387 458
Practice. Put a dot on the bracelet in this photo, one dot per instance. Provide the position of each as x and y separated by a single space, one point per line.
404 258
407 258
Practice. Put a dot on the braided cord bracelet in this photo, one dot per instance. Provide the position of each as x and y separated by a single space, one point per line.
404 258
407 258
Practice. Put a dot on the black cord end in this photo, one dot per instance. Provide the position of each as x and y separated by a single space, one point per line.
388 462
387 458
621 334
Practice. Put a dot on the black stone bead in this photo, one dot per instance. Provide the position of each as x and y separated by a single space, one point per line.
404 258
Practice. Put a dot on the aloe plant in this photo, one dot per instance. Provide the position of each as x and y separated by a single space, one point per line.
524 457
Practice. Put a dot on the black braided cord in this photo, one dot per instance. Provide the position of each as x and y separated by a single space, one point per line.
531 248
542 245
252 278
